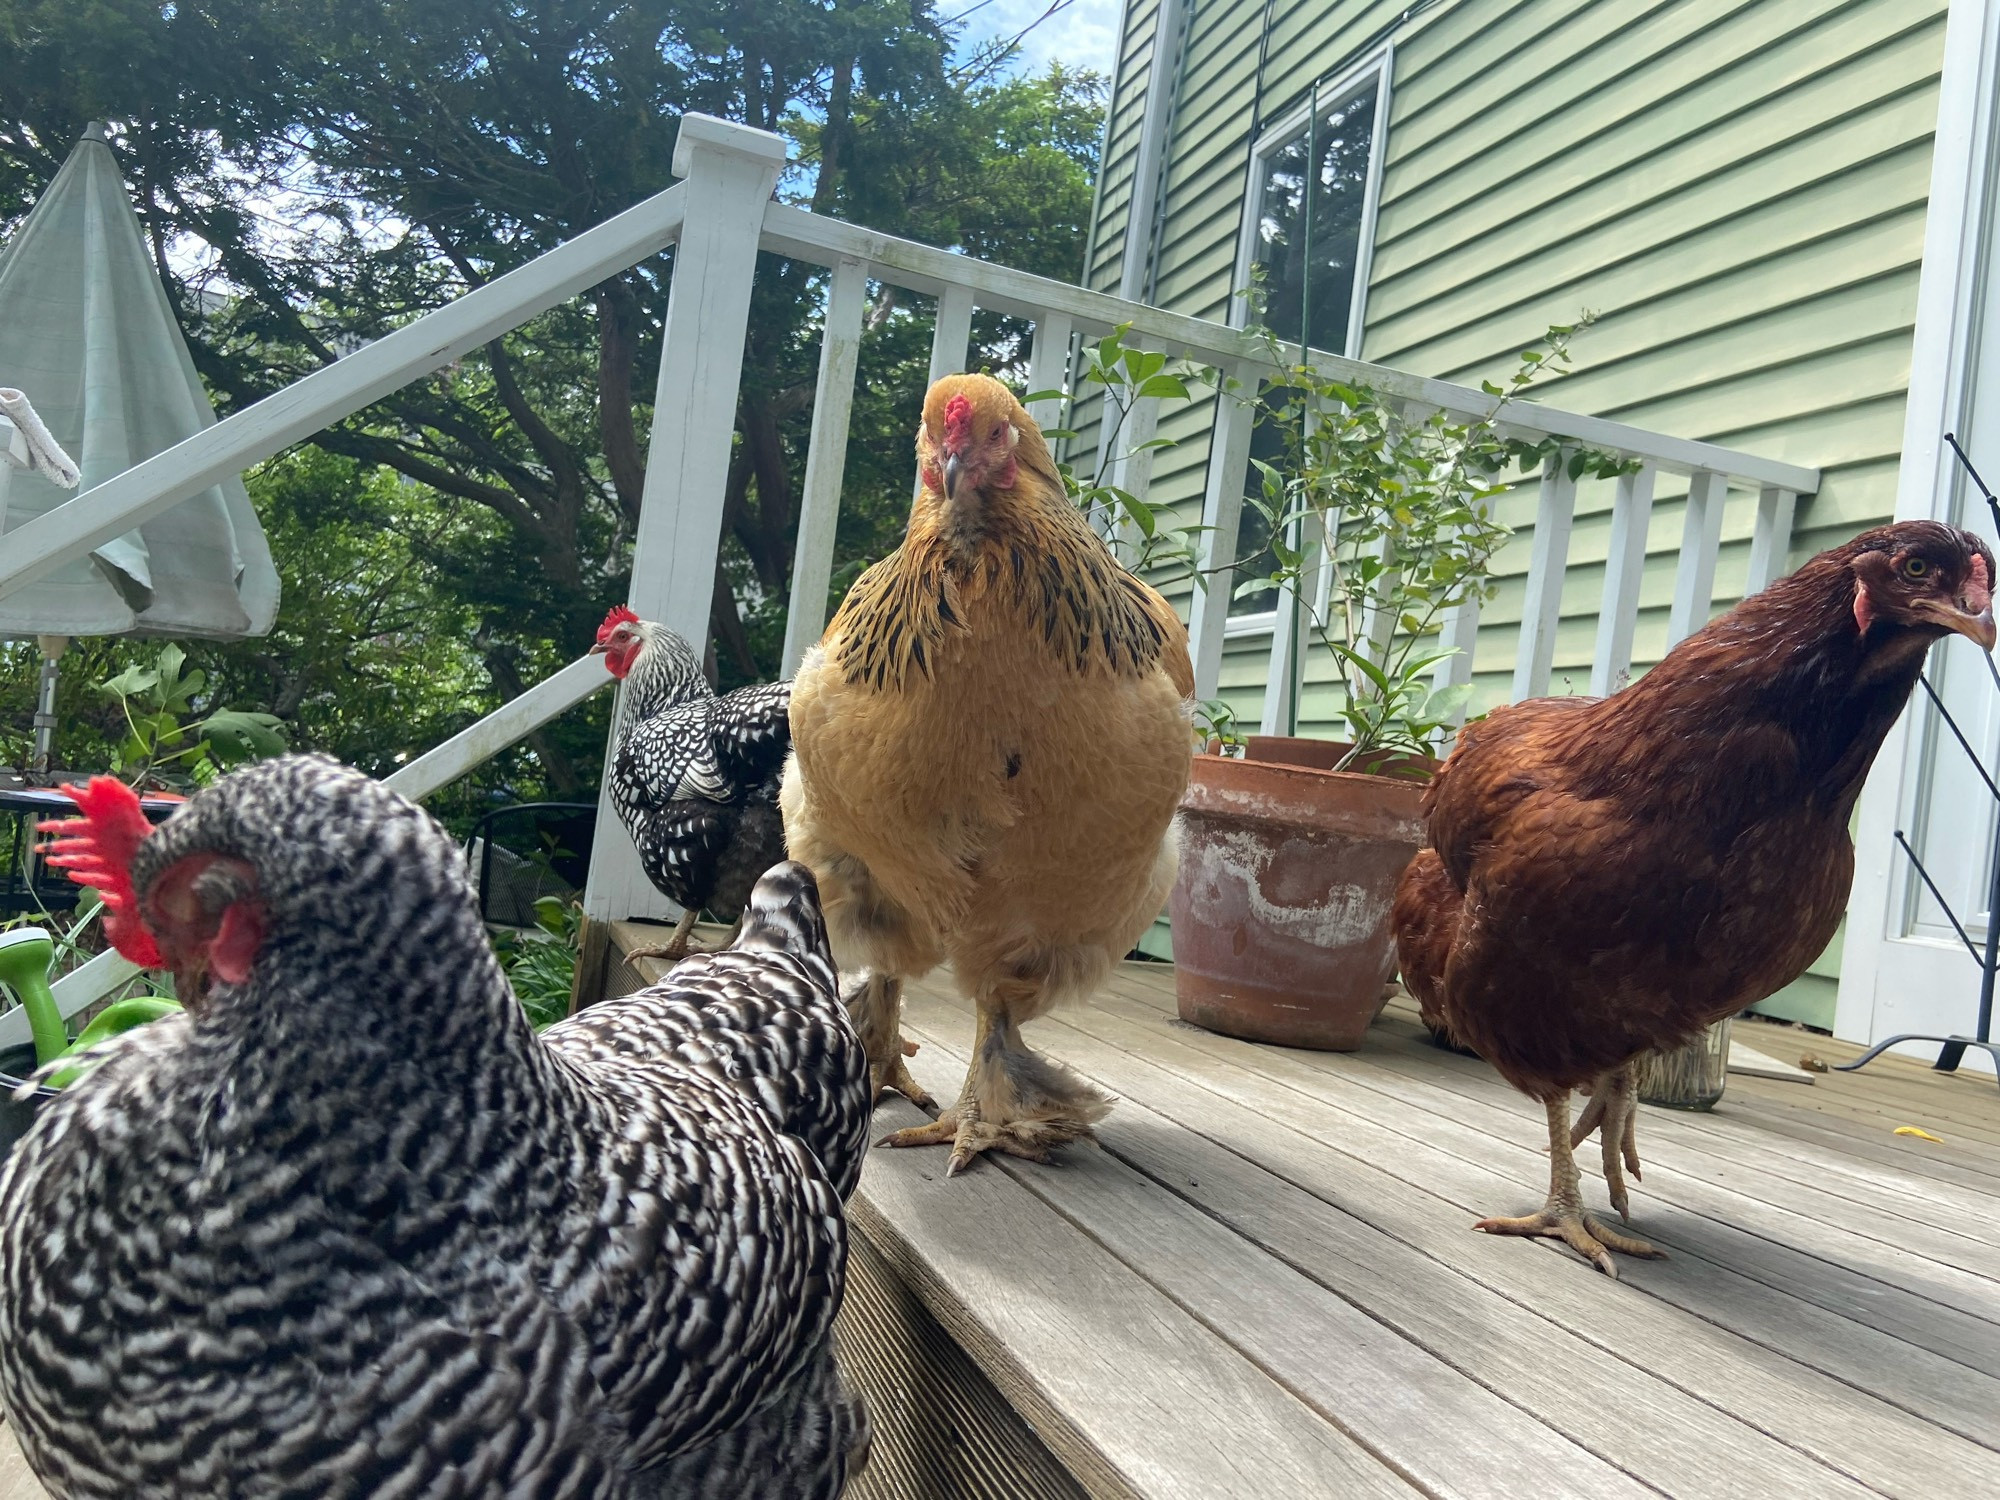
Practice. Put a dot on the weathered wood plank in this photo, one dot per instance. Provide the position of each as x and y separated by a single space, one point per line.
1391 1394
1331 1154
1899 1248
1450 1164
1635 1421
1135 1396
17 1480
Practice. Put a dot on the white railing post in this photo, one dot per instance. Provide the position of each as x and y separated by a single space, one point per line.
1460 636
1291 635
826 461
1048 366
1131 466
1548 562
1624 570
1772 540
1221 515
1701 539
730 171
952 335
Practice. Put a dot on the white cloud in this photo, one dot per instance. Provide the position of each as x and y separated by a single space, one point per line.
1082 34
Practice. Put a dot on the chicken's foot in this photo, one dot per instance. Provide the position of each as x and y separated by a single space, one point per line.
1014 1101
1563 1216
1614 1109
677 947
876 1008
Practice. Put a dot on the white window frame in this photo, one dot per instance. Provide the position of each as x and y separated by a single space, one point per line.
1378 67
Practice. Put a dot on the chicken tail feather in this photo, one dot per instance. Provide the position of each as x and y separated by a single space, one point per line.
783 915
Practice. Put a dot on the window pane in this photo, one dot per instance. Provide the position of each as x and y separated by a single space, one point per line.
1309 267
1308 274
1253 533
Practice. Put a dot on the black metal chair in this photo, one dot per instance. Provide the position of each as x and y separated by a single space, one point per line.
527 851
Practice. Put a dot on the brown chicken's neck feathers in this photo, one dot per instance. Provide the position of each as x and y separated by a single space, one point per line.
1026 551
1788 661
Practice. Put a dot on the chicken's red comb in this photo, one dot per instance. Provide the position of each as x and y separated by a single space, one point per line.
1980 593
957 422
97 850
621 614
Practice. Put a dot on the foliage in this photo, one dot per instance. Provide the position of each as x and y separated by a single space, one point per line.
1126 374
1396 500
165 744
330 172
541 962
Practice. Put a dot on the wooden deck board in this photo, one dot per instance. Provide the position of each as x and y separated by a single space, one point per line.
1826 1324
1724 1229
1395 1181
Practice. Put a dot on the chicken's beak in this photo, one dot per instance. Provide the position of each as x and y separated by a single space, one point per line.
951 471
1976 627
597 649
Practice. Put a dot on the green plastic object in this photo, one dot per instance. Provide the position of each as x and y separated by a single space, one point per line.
25 956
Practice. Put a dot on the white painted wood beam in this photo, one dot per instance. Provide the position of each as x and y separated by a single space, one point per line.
1771 542
826 461
730 171
1624 571
1701 539
1548 564
1221 515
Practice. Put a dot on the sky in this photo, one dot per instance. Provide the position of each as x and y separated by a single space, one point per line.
1082 34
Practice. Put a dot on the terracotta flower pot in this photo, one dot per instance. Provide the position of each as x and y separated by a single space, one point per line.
1281 910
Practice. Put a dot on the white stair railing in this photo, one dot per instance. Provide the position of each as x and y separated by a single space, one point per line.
721 216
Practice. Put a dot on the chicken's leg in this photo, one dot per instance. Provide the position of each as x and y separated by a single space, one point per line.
681 944
1562 1217
1014 1100
1614 1109
876 1008
675 947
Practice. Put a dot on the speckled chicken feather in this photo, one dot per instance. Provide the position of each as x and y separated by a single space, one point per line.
695 777
352 1229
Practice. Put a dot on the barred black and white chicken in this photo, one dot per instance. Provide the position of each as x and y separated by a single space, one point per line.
349 1227
694 775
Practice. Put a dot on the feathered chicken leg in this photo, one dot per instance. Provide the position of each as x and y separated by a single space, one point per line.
1563 1216
876 1008
1014 1100
1614 1108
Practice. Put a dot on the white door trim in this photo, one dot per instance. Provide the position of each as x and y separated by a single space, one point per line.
1890 980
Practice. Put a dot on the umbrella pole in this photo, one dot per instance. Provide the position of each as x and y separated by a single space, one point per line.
53 647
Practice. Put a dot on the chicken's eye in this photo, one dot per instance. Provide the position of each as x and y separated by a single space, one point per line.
1915 567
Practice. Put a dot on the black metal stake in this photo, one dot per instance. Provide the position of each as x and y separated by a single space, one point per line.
1951 1049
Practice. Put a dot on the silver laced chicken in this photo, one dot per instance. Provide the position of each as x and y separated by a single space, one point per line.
349 1227
693 774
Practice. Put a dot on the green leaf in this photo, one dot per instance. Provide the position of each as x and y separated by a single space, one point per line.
130 683
1163 385
238 736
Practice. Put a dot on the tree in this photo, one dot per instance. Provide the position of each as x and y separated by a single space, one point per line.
334 169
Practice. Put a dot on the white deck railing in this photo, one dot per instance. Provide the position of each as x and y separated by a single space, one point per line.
719 218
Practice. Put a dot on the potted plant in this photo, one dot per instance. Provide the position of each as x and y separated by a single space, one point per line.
1290 853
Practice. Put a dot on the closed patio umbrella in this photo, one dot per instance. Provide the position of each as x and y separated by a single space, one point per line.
87 335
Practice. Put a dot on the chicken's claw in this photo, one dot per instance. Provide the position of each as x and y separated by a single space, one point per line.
970 1136
893 1076
1583 1234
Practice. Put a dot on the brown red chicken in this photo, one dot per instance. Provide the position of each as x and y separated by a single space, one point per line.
1611 875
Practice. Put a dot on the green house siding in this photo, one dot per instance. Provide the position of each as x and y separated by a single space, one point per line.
1737 188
